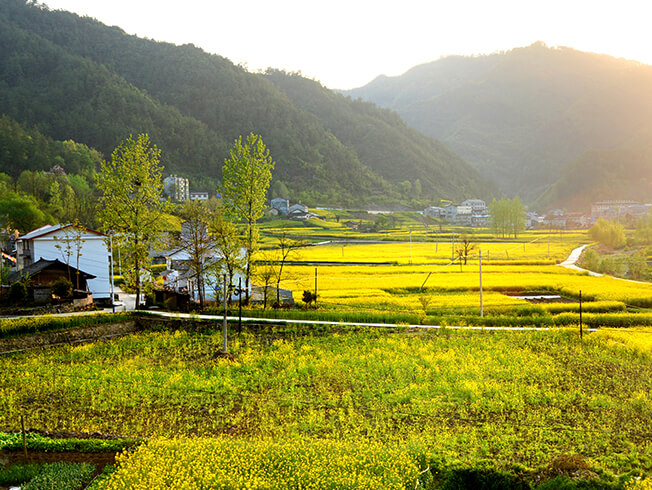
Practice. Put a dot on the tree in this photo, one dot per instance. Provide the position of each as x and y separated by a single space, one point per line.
227 245
245 178
287 247
195 238
71 243
516 216
507 217
611 234
131 205
464 246
265 274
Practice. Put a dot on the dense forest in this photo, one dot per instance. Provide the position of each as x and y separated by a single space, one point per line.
75 78
44 181
522 117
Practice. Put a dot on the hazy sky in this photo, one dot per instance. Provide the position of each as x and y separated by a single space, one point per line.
347 43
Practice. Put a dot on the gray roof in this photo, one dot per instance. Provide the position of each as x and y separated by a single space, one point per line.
43 264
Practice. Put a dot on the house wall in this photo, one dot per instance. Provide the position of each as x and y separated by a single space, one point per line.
94 259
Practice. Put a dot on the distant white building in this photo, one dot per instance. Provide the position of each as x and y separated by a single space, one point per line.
179 278
176 188
435 212
478 206
50 242
199 196
281 205
618 210
464 215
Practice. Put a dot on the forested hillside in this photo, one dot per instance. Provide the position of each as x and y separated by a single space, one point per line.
381 136
521 117
43 180
75 78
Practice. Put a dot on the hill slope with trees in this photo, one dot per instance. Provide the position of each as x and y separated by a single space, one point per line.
521 117
75 78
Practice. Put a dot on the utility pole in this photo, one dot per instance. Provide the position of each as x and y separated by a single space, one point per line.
580 313
315 286
410 247
453 247
111 271
224 342
481 303
240 305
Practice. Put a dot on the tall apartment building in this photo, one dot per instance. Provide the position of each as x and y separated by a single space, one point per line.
176 188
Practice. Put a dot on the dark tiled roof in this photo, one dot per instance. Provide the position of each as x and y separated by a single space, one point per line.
41 265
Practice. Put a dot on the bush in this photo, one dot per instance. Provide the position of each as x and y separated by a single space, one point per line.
62 287
590 259
61 476
308 297
18 473
17 293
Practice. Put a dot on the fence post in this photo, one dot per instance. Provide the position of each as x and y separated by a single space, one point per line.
224 342
240 305
22 428
580 314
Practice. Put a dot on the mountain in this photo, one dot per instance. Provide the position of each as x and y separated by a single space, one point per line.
75 78
521 117
600 175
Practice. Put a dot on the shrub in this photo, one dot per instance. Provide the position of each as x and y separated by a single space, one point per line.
17 293
590 259
61 476
62 287
308 297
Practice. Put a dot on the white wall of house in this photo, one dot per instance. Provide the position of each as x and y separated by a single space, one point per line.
94 258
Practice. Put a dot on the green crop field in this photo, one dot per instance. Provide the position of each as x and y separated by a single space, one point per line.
386 405
353 407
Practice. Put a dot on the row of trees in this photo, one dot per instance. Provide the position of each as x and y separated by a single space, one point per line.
221 239
507 217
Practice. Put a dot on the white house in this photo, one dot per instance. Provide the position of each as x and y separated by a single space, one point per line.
65 243
478 206
178 277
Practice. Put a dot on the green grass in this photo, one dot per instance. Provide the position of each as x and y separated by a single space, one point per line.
468 398
15 327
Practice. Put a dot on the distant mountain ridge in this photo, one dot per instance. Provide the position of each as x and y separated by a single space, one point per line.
522 117
75 78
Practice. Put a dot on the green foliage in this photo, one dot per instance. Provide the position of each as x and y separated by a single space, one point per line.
590 259
468 400
507 217
25 326
599 175
61 476
21 212
62 287
18 473
17 293
245 179
130 205
637 266
95 84
611 234
36 442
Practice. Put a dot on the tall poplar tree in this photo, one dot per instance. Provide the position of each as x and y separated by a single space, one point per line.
130 205
245 179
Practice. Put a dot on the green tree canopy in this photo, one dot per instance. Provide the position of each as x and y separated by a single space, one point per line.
130 204
245 179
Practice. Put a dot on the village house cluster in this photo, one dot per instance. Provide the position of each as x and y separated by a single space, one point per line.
475 213
280 206
472 212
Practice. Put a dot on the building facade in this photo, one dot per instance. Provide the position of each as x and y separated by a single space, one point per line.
82 248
